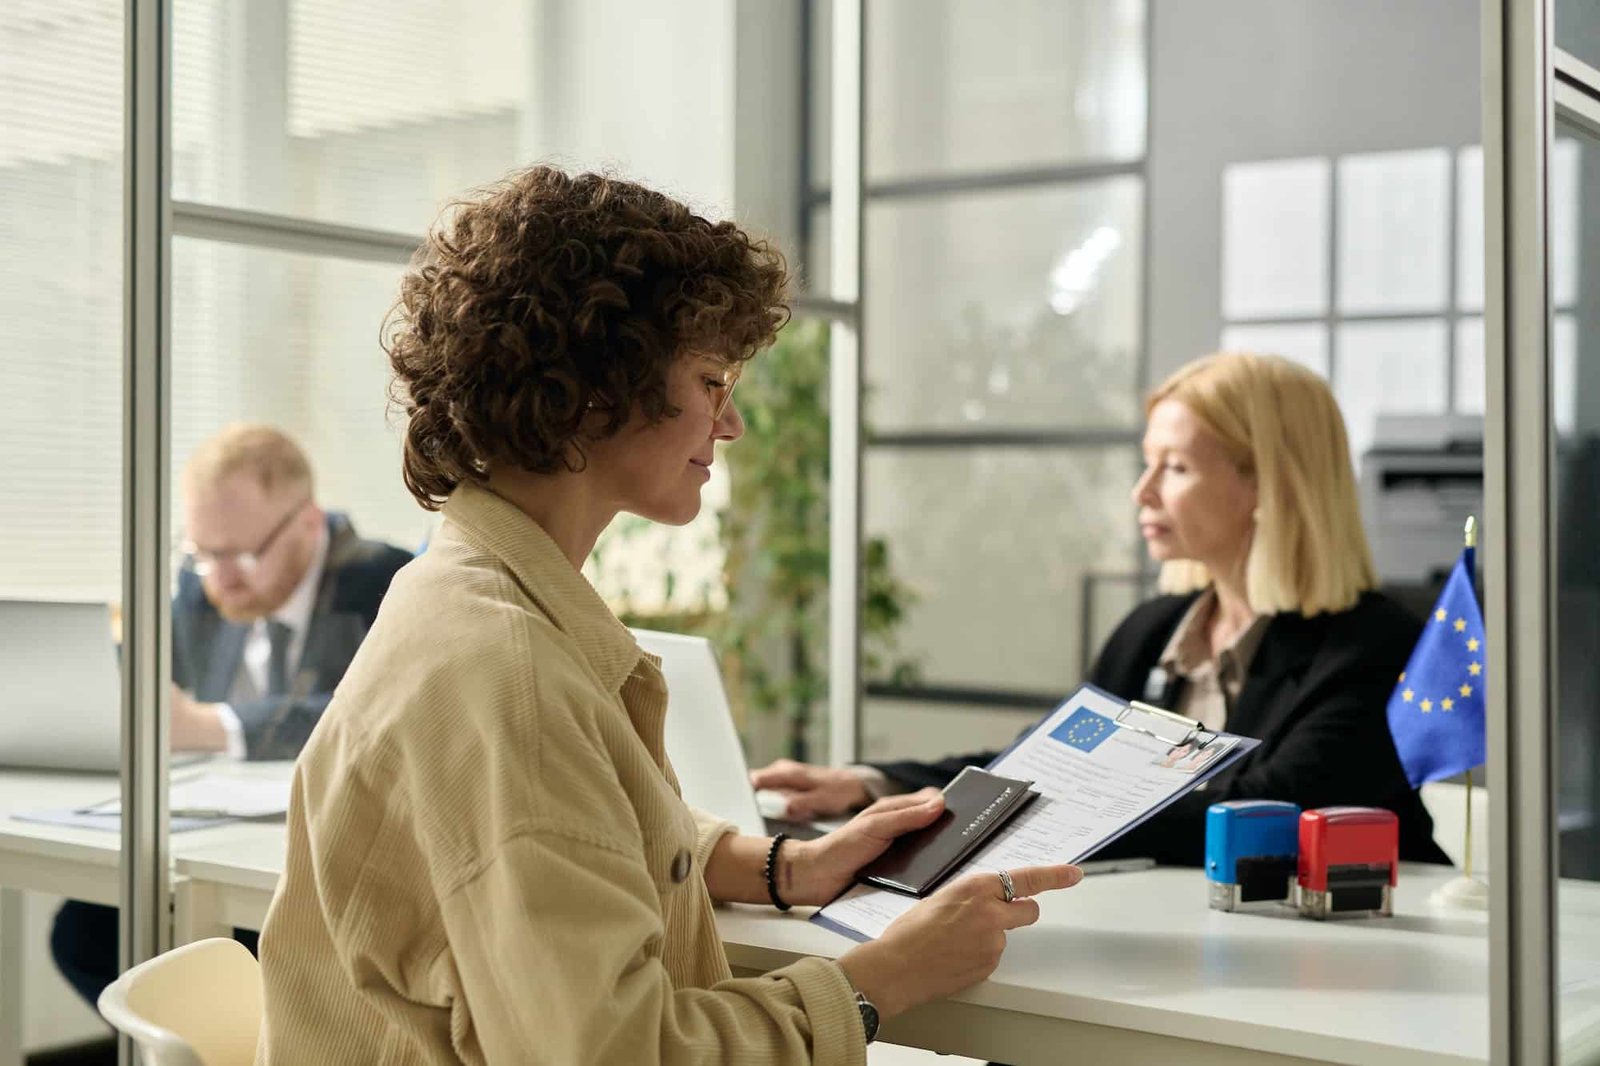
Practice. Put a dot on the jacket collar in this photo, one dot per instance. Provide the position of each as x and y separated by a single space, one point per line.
548 578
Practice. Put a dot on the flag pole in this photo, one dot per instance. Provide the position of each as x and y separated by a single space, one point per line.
1465 892
1470 534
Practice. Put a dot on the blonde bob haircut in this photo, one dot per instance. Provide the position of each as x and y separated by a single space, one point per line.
1281 425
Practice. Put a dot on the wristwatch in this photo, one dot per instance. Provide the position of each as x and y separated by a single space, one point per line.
869 1016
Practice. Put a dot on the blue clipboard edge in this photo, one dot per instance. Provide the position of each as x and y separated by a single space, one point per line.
839 927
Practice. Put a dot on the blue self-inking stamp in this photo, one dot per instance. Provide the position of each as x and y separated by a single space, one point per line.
1252 852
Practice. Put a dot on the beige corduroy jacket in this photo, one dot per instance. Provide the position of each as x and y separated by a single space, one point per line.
489 860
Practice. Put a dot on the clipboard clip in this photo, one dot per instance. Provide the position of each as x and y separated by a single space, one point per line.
1183 731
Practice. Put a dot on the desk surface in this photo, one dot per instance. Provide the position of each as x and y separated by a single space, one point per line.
1132 951
1143 951
27 790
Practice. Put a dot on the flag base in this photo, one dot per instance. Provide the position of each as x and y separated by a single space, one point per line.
1461 894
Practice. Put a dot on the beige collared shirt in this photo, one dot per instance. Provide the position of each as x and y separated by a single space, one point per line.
489 859
1213 682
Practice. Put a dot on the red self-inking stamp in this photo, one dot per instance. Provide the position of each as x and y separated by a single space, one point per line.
1349 862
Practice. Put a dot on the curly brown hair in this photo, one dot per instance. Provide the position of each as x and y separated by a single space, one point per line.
549 297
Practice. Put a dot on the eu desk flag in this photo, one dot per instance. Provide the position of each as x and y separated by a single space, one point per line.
1436 714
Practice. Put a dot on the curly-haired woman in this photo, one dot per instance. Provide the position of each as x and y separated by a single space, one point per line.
489 860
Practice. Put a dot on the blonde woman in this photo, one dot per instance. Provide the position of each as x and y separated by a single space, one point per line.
1269 624
489 860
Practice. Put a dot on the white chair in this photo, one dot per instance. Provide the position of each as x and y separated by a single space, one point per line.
197 1005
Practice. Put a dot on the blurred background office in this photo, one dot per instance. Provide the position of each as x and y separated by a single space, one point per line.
1064 201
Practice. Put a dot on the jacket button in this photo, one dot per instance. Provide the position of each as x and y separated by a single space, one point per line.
682 863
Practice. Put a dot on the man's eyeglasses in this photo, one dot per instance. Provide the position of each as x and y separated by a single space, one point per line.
206 562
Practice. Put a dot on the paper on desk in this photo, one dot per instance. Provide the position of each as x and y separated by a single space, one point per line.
1095 781
109 823
221 795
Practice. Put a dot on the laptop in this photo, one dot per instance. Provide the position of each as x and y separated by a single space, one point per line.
60 689
700 735
709 760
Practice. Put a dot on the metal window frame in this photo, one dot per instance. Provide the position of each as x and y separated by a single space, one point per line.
979 181
151 219
845 381
1528 85
145 891
1518 560
1451 313
850 441
288 233
842 305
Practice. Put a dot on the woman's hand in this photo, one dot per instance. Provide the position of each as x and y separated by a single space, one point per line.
812 791
949 941
815 871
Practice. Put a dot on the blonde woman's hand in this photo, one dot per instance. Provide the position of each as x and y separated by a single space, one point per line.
812 791
951 940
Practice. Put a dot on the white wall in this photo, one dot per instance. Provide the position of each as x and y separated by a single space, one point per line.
644 89
1242 80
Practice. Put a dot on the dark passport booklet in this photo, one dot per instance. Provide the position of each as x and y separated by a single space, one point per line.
975 805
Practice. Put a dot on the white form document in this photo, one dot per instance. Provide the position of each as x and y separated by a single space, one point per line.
217 795
1096 779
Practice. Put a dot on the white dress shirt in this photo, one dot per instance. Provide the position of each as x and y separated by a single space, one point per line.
296 615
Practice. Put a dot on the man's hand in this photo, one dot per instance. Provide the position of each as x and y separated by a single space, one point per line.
820 869
195 726
812 791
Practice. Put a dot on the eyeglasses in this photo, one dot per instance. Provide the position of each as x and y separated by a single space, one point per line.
206 562
720 388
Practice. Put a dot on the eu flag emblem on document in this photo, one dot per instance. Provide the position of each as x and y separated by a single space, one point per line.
1083 729
1436 714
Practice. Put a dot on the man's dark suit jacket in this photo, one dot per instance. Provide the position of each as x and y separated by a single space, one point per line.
206 649
1315 696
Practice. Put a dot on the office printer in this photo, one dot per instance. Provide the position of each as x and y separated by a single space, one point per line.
1420 479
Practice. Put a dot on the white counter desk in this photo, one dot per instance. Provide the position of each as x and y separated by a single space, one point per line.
1135 968
1123 968
1127 967
79 863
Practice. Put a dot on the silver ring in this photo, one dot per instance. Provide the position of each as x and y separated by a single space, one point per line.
1007 887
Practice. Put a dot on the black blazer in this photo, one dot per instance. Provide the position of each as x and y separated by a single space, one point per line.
1315 696
206 648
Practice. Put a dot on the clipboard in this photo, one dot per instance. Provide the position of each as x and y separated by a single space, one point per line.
1118 778
1166 725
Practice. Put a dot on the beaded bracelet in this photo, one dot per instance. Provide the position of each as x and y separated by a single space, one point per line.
771 872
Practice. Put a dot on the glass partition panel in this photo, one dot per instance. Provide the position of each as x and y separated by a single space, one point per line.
1011 307
905 727
354 112
750 572
1578 29
964 87
293 341
290 518
61 432
1575 670
1007 553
